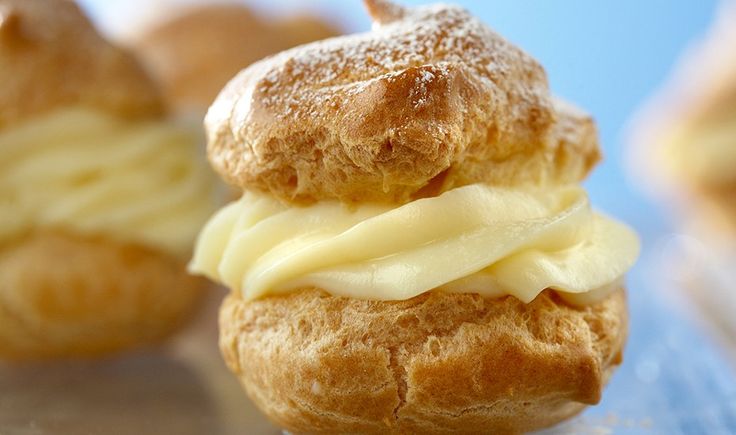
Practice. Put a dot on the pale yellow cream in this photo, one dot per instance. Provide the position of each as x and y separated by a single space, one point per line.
94 173
477 238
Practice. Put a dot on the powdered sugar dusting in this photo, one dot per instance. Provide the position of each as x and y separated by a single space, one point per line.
378 115
304 81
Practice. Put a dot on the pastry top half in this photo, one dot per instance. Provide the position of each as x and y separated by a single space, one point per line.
428 100
85 144
52 56
195 52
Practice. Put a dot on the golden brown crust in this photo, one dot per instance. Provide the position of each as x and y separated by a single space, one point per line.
51 55
712 209
195 53
436 363
64 295
300 29
430 97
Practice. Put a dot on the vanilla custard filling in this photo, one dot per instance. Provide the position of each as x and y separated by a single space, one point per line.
477 238
95 173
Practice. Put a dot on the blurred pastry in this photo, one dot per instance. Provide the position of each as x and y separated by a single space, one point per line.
684 144
101 195
195 52
412 252
683 151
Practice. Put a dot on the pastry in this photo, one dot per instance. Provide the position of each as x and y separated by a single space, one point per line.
684 142
101 195
412 252
195 52
683 151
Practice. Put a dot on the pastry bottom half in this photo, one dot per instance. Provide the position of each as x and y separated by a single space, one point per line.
436 363
63 295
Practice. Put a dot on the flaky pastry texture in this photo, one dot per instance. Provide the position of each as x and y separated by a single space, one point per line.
195 53
52 56
67 295
437 363
429 100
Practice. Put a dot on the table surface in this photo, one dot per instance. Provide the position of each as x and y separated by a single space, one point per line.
676 379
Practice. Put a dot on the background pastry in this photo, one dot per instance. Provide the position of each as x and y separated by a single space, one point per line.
100 194
684 143
196 51
192 51
412 253
683 151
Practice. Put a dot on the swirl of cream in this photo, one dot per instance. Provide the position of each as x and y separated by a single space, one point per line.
91 172
476 238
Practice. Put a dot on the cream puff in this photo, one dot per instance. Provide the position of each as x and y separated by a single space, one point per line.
412 252
684 142
101 195
197 50
683 151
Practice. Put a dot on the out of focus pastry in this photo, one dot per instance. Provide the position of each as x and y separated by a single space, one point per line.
683 151
101 195
193 51
684 144
197 50
412 252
